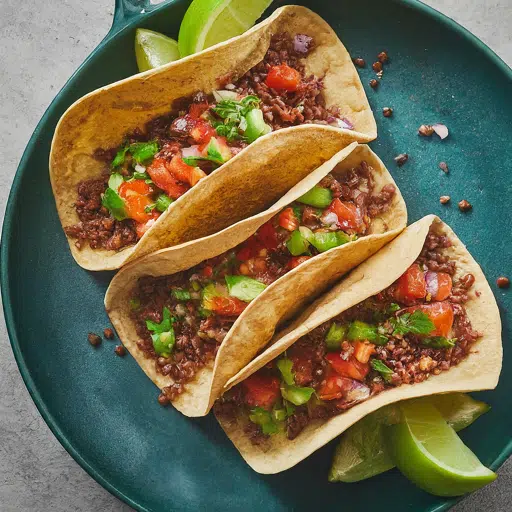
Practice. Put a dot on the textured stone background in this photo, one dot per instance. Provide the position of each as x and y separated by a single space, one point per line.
39 49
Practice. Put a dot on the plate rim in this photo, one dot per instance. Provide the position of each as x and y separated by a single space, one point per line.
119 26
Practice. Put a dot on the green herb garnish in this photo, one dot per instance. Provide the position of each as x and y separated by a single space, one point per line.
384 370
415 323
114 204
163 334
163 202
181 294
285 366
439 342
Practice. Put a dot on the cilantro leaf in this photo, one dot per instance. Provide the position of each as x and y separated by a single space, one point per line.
438 342
383 369
114 204
119 158
163 202
143 151
415 323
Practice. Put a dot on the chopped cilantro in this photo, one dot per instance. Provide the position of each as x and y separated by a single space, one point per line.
438 342
163 334
415 323
143 151
181 294
114 204
384 370
163 202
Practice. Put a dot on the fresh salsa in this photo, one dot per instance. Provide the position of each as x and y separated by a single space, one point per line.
416 328
156 166
182 319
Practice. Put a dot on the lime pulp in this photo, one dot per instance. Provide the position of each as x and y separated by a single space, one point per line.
362 453
208 22
431 454
153 49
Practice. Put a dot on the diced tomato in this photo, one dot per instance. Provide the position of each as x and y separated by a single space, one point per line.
334 387
134 187
207 271
295 261
226 306
411 285
288 220
250 249
261 390
141 228
441 314
268 236
164 179
184 172
283 77
351 368
363 351
135 205
444 286
349 215
202 132
196 110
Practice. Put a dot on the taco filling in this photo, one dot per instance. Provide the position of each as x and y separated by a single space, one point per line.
416 328
182 319
157 165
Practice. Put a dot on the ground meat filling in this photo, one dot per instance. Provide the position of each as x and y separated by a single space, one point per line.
172 131
282 109
406 356
264 257
97 227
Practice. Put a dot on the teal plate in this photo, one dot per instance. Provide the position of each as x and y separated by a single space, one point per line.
104 410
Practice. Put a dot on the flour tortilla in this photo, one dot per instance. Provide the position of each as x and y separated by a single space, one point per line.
479 371
104 117
256 325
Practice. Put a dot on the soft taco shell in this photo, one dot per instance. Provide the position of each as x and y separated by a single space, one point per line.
103 118
479 371
256 326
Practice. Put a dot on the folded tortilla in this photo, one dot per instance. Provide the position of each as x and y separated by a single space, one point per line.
480 370
104 117
256 325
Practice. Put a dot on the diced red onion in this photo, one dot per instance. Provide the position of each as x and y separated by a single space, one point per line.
432 283
358 393
302 43
329 219
340 123
190 151
441 130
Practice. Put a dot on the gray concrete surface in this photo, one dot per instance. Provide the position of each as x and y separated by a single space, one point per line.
41 44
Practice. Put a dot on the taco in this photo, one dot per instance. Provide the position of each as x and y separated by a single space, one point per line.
196 314
132 163
418 318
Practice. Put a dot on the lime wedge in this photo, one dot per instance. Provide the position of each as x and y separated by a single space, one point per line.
362 453
208 22
153 49
431 454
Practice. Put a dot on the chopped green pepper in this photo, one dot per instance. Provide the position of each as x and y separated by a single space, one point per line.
295 394
335 336
297 244
244 288
325 241
181 294
319 197
362 331
285 366
255 125
264 419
